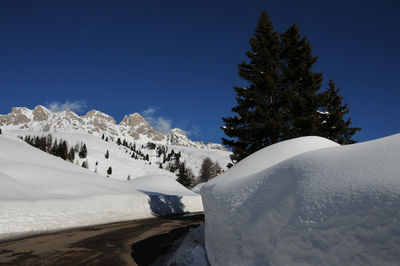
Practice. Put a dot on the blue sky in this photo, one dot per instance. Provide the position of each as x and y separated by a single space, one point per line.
176 61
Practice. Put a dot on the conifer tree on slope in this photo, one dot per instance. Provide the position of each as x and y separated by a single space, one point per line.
332 122
258 122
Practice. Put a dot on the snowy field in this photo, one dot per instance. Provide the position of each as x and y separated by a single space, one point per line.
41 192
307 201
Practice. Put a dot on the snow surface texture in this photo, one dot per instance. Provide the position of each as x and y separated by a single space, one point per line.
307 201
41 192
191 251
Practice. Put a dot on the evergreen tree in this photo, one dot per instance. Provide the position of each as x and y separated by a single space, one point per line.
258 122
119 141
83 151
207 170
109 171
300 85
283 98
85 164
129 178
102 136
71 155
332 122
107 139
107 155
63 150
185 176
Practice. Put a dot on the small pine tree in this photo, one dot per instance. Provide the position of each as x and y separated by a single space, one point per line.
107 155
63 150
102 136
147 157
107 139
129 178
119 141
185 176
109 171
71 155
85 164
83 152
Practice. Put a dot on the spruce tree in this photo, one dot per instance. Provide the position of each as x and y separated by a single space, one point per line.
300 85
71 155
83 151
64 150
258 122
185 176
332 122
107 155
109 171
283 99
85 164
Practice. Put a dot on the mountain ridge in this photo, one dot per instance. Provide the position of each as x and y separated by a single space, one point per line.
133 127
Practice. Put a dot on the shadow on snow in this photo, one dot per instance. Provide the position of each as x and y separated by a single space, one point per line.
164 204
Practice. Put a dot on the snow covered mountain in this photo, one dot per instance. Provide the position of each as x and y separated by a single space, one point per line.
133 127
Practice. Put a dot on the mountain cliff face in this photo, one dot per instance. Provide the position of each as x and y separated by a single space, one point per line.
132 127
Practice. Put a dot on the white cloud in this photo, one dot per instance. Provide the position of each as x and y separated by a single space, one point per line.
193 131
160 123
149 111
75 106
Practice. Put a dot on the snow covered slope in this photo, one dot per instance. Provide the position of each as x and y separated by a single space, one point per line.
134 129
40 192
307 201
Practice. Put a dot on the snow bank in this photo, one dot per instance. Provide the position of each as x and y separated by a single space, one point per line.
307 201
41 192
191 251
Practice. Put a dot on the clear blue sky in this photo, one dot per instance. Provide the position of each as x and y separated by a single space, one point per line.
180 57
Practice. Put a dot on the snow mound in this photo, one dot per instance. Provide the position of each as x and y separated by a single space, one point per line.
191 251
197 188
328 205
41 192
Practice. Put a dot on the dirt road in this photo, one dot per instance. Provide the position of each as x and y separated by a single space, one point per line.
125 243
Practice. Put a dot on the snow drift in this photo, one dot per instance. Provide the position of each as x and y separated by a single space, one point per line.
41 192
307 201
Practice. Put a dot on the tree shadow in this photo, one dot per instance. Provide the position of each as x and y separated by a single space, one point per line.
164 204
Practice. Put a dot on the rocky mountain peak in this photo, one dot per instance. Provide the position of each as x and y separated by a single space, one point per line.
133 120
41 113
133 127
